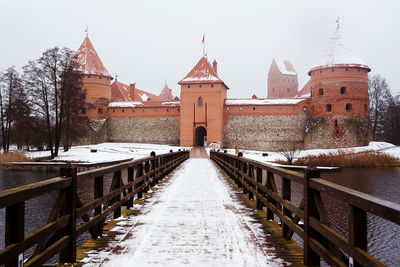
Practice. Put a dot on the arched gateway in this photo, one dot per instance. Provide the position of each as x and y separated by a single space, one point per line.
201 133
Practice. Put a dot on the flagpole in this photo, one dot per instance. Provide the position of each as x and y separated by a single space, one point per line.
204 44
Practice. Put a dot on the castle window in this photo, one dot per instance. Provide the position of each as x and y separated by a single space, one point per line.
133 110
358 70
88 76
365 107
329 107
99 77
227 108
347 69
273 90
343 90
240 108
288 90
254 108
178 109
167 110
123 110
200 85
348 107
320 71
83 96
188 86
333 70
212 85
100 111
336 123
144 110
321 91
200 101
83 111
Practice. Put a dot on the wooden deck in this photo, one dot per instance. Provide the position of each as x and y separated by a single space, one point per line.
288 251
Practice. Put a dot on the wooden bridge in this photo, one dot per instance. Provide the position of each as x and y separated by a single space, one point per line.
71 216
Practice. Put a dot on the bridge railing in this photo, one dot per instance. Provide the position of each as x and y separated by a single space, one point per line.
60 233
320 239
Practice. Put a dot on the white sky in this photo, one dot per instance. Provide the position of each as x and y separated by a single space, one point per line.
148 41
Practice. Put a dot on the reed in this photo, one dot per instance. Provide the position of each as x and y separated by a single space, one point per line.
14 156
356 160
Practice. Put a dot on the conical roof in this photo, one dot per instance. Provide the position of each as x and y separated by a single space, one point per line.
89 61
338 54
202 72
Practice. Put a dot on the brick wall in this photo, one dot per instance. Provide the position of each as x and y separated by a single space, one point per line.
161 130
270 133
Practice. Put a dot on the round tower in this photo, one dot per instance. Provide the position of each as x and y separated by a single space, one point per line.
339 97
96 81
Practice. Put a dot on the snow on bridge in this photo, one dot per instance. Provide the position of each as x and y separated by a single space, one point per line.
194 219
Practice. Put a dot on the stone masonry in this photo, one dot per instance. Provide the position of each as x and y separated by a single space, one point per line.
161 130
270 133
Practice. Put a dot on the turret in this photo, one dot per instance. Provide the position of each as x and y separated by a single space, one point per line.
339 94
96 81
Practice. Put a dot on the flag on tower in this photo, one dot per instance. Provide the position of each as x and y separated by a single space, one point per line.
202 41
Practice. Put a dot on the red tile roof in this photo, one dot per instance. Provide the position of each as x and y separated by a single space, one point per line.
202 72
166 93
89 61
123 92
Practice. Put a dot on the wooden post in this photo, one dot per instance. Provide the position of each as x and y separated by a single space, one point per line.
259 180
117 177
244 169
358 229
238 168
139 172
270 186
251 175
286 194
68 254
14 232
153 168
311 258
129 204
98 193
147 170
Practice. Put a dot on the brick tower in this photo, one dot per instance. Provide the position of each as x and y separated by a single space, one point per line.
339 96
96 81
282 79
202 102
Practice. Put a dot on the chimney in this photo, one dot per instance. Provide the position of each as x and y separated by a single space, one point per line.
215 66
132 88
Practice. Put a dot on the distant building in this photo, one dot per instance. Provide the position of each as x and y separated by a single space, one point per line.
282 79
330 111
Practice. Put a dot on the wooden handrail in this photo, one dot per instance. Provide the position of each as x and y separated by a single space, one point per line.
60 233
320 239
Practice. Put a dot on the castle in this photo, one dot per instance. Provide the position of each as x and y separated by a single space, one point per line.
331 111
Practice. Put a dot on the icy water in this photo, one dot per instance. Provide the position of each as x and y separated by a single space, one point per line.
383 236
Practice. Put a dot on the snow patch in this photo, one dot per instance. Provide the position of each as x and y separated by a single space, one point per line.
124 104
96 125
288 101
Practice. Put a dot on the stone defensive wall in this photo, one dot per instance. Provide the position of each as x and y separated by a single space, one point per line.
269 124
144 122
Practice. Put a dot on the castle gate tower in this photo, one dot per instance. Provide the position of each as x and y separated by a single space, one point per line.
339 93
202 101
96 81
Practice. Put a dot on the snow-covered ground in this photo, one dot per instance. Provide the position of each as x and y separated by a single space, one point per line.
380 147
195 219
121 151
107 152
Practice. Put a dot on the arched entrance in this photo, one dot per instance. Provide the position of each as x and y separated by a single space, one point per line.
201 135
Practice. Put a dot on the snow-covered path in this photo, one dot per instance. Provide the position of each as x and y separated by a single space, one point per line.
194 221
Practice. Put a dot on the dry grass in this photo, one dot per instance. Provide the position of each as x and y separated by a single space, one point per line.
357 160
14 156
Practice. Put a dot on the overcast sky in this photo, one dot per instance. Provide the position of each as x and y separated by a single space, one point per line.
150 41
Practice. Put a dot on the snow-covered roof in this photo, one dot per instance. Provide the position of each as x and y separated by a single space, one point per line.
285 67
305 92
268 101
125 104
88 60
202 72
339 53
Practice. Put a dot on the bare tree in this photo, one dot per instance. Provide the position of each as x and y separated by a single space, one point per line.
290 152
10 85
379 97
52 80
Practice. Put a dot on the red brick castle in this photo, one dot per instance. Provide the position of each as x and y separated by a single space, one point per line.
332 110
